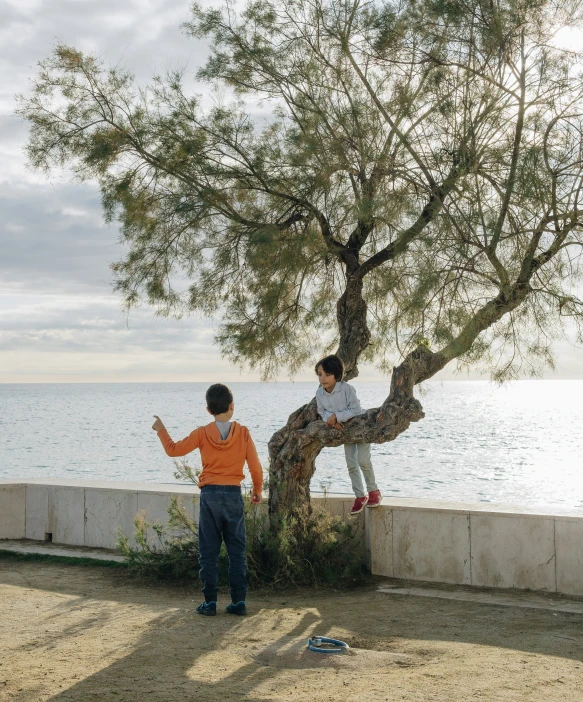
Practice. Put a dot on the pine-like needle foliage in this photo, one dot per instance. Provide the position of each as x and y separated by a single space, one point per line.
430 150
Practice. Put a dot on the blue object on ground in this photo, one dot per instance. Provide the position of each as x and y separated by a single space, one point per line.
330 645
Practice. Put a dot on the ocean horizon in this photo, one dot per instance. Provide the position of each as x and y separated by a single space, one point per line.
521 443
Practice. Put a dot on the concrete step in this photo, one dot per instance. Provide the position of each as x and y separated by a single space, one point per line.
531 600
47 548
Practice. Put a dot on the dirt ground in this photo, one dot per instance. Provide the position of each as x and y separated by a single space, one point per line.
72 633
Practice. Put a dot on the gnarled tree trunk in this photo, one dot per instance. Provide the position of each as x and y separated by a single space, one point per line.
354 332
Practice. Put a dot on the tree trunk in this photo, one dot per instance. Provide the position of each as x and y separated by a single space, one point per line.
294 448
354 332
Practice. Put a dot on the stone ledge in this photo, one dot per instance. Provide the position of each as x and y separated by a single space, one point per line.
479 544
43 548
498 598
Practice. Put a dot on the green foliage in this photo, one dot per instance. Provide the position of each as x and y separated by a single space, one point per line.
165 553
309 548
431 147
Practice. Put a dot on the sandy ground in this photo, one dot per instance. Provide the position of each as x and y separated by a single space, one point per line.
72 633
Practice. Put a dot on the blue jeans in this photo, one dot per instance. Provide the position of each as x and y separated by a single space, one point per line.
222 519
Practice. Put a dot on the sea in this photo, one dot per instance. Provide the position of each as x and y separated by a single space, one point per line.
520 444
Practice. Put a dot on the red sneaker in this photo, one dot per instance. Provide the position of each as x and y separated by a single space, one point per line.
374 499
358 505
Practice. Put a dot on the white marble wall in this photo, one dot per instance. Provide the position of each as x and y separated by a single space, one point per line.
108 513
504 547
477 544
432 545
66 517
470 544
37 511
379 540
513 551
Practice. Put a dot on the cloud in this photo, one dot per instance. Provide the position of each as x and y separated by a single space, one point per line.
54 240
58 317
143 35
86 338
68 322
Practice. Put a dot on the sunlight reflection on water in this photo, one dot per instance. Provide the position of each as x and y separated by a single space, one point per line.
520 444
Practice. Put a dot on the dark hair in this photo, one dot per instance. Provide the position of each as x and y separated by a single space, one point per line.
218 398
331 365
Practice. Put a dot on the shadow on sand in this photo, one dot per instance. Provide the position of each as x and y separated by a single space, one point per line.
163 662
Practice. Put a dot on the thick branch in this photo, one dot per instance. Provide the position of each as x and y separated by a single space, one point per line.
354 333
427 215
515 154
336 247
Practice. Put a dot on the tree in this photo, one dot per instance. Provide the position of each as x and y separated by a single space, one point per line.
411 187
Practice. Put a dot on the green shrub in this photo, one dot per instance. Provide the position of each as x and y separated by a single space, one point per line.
312 548
170 554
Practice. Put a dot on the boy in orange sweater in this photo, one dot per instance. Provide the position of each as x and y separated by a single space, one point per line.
224 447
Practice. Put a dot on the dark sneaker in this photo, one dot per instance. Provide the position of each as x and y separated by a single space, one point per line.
207 609
240 608
358 505
374 499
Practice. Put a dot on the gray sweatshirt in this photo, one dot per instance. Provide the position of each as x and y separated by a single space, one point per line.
342 402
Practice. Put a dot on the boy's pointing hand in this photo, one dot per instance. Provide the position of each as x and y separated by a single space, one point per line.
158 424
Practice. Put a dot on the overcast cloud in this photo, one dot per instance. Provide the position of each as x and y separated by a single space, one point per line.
59 320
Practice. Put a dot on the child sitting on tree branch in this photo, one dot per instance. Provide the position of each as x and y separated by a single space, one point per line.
337 403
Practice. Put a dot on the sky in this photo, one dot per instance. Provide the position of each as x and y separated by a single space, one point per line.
59 318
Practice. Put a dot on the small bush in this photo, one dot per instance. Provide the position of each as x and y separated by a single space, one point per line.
311 548
171 554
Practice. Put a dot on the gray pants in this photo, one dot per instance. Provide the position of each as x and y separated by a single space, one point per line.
358 459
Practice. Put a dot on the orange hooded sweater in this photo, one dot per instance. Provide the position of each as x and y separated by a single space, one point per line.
222 461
